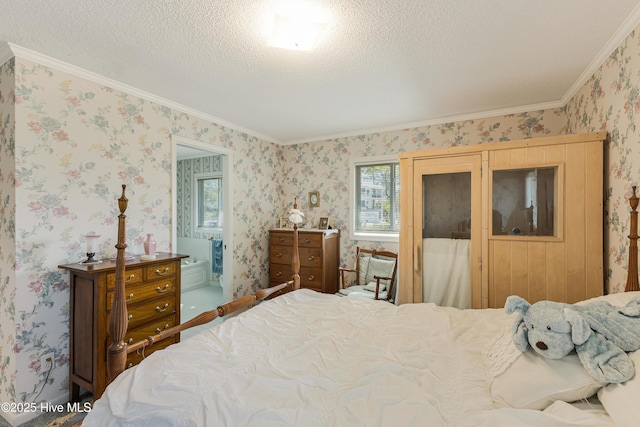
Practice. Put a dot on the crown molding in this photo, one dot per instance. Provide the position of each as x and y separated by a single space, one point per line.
5 53
434 122
56 64
9 50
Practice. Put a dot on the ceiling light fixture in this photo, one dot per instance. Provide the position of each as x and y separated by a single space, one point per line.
296 29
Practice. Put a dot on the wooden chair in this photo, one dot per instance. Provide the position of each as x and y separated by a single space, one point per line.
375 275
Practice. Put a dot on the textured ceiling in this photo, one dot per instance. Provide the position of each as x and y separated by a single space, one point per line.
380 64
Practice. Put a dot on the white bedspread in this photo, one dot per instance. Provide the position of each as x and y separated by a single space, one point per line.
311 359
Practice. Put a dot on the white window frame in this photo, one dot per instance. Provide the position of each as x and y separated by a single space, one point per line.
389 236
196 178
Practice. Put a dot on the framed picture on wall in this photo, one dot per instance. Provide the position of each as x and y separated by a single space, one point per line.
314 199
284 222
323 224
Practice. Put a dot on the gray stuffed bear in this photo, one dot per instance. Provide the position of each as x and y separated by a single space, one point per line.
600 333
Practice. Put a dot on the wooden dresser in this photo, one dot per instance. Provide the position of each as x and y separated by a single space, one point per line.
319 252
153 303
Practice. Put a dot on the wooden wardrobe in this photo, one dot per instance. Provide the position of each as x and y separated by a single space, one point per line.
531 211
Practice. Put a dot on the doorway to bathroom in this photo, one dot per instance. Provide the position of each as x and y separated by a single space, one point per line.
201 226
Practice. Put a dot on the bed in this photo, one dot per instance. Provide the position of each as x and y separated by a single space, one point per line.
304 358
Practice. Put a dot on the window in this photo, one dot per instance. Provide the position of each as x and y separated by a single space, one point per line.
208 200
376 204
524 201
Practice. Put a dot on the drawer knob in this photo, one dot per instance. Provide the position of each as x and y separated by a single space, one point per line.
282 239
278 255
307 241
130 341
162 290
279 273
312 278
130 297
166 326
130 316
311 258
162 273
160 310
131 277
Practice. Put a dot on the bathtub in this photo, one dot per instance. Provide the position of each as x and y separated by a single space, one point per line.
196 270
195 273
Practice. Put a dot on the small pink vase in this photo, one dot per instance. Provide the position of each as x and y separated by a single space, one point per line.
150 245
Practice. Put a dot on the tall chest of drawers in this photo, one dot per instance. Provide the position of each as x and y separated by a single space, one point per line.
319 252
152 292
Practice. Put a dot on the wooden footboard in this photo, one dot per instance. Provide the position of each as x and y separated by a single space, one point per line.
118 319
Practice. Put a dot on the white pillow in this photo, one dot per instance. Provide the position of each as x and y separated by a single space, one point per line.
379 267
621 400
364 267
529 381
371 286
619 299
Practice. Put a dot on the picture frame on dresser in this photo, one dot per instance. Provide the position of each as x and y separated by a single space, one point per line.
323 224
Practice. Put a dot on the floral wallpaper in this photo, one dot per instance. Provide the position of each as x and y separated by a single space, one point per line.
71 143
610 101
76 143
7 233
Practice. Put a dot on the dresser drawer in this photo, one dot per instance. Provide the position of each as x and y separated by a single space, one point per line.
134 358
305 240
155 327
158 271
131 277
280 272
309 257
279 254
311 278
145 291
151 310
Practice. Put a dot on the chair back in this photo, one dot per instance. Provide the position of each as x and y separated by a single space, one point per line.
382 255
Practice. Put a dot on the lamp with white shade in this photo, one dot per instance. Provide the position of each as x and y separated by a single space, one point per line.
92 241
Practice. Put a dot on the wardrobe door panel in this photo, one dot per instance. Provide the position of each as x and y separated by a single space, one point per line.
447 231
561 224
537 269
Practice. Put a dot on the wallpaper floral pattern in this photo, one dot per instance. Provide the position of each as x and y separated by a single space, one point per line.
7 233
610 101
74 142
